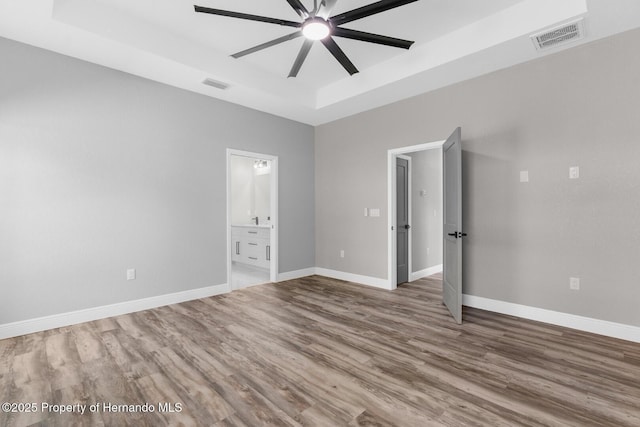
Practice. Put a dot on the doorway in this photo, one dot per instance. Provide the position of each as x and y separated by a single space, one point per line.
252 218
451 228
403 218
417 232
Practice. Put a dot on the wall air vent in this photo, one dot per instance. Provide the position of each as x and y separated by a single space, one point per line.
566 33
215 83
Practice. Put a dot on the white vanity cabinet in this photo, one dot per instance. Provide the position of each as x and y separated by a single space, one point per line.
251 245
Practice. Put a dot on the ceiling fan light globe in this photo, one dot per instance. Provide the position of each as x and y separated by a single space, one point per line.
316 30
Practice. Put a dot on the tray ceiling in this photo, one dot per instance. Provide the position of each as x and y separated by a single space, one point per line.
166 41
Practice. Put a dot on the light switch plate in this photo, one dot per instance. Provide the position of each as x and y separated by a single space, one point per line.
374 212
131 274
574 283
574 172
524 176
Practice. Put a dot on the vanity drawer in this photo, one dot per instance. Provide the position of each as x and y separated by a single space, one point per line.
253 248
257 253
257 232
251 245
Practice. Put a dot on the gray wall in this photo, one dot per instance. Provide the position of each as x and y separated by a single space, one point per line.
101 171
426 209
578 107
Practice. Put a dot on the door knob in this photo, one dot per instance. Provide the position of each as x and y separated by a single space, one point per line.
457 235
407 226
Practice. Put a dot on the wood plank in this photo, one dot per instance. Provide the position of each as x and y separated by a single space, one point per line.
323 352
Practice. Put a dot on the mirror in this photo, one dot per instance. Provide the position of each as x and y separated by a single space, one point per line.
250 190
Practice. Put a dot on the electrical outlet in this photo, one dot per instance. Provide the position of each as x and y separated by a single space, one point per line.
131 274
574 283
428 250
374 212
341 253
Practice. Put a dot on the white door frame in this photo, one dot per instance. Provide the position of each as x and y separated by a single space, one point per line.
392 241
273 184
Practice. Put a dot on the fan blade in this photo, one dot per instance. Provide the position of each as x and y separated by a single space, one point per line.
337 53
327 7
302 55
371 38
247 16
268 44
364 11
299 8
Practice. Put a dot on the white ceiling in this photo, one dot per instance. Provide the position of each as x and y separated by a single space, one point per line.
166 41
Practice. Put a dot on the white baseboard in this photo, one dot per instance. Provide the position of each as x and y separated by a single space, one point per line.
426 272
601 327
587 324
290 275
15 329
350 277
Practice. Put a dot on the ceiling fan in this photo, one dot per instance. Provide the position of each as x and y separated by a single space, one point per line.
317 24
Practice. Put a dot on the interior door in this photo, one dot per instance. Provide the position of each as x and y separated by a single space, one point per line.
402 219
452 227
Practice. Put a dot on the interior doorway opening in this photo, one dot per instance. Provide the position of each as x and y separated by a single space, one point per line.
419 235
404 252
252 217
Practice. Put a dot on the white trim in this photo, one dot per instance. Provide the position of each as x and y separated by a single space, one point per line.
418 147
587 324
392 239
596 326
40 324
274 242
426 272
290 275
356 278
273 235
391 205
228 222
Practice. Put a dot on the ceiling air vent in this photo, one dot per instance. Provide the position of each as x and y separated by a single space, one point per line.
215 83
566 33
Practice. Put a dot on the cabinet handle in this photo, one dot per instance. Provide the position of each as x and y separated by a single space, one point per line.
238 248
255 259
268 253
253 232
253 244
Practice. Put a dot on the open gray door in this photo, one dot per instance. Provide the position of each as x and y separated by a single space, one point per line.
452 229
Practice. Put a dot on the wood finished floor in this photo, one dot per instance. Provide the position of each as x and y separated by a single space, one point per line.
323 352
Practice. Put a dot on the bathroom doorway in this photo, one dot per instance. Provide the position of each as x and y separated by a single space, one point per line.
252 202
